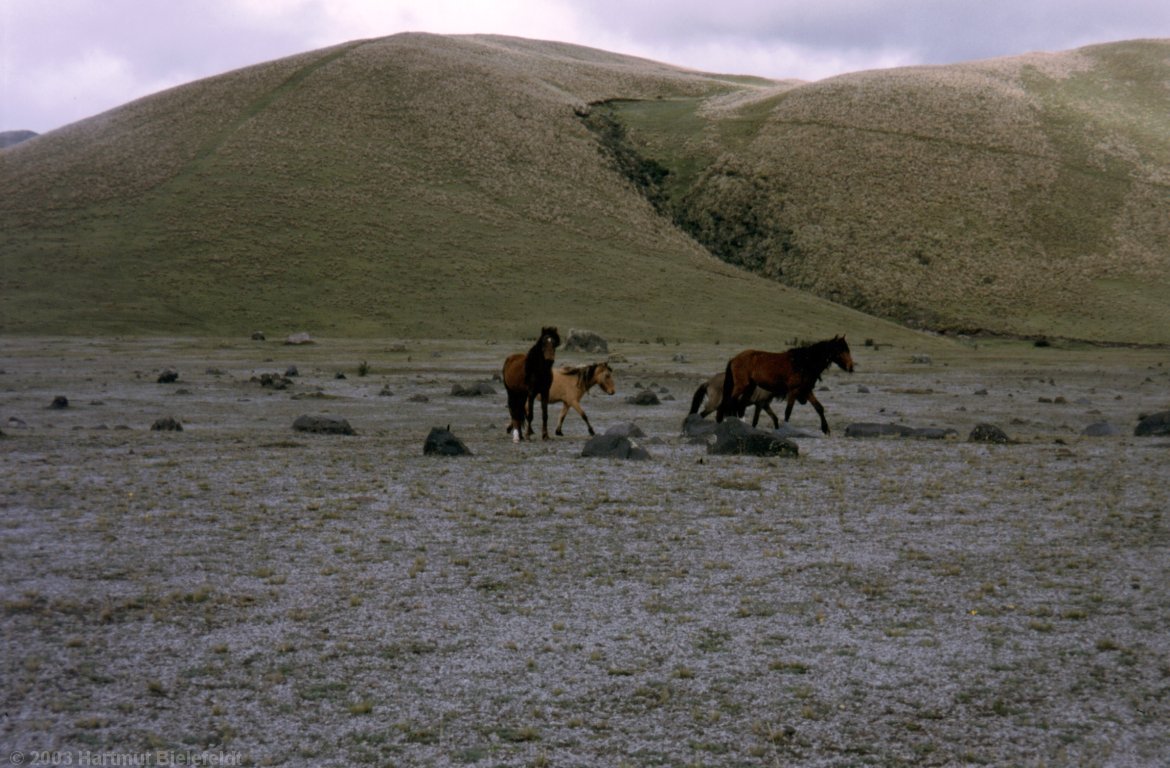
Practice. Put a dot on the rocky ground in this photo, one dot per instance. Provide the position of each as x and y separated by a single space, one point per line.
244 593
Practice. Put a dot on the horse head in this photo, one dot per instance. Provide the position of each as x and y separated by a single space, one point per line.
603 377
841 355
549 341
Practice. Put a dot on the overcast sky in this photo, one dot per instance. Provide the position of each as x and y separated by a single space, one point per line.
64 60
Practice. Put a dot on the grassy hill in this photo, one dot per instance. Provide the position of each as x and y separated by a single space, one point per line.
430 186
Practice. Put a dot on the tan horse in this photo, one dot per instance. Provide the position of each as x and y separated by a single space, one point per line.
569 385
712 390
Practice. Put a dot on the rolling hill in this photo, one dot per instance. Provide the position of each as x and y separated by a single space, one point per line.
467 186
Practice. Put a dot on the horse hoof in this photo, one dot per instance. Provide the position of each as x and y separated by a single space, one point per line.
515 436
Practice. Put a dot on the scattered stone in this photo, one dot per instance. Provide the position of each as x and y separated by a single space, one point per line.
934 433
626 429
323 425
168 377
982 392
257 336
1154 425
696 426
870 429
988 433
862 389
273 381
873 429
166 424
297 339
585 341
339 375
734 437
419 398
1101 429
291 371
60 402
442 442
609 446
921 359
386 392
473 390
645 397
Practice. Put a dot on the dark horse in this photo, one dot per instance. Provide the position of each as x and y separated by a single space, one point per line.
791 375
528 376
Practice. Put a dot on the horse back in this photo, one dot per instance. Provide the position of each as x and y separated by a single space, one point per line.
769 370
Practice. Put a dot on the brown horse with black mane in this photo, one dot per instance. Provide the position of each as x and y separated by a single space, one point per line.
528 376
791 375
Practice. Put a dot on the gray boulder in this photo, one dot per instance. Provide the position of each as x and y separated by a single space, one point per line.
585 341
626 429
614 446
1154 425
1101 429
326 425
442 442
735 438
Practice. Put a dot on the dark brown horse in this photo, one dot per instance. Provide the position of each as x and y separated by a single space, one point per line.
528 376
791 375
712 390
569 385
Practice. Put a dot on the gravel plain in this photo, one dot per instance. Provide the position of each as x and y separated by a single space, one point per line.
240 593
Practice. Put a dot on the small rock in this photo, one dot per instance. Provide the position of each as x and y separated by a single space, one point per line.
734 437
168 377
441 442
1154 425
60 402
873 429
626 429
645 397
323 425
473 390
257 336
1101 429
297 339
988 433
166 424
609 446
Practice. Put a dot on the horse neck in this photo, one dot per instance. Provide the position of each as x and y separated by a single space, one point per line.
814 359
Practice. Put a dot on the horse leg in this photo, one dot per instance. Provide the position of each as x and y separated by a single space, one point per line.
790 401
820 411
756 416
544 416
744 399
584 418
775 421
528 412
561 420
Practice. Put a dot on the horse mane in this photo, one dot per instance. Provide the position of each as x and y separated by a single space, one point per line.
584 373
813 359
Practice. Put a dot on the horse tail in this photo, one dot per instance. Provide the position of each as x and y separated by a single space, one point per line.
697 400
726 404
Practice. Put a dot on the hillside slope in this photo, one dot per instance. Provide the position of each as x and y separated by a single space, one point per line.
423 185
1026 195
